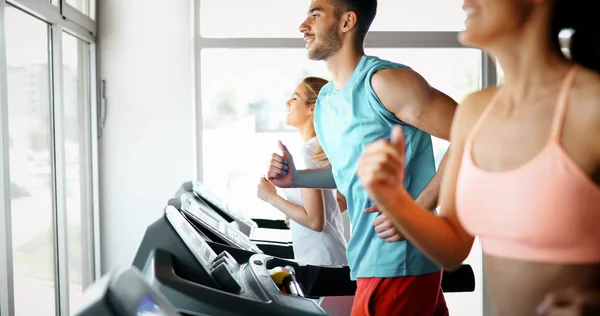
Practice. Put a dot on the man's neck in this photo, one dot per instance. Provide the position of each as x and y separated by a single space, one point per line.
342 65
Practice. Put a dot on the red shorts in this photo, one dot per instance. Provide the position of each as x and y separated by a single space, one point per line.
406 296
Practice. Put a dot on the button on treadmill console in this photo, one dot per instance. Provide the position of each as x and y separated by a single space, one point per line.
223 274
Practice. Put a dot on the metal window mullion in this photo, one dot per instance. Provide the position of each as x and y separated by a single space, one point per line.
85 154
197 77
489 75
94 192
74 20
374 40
44 10
7 304
59 175
77 31
77 17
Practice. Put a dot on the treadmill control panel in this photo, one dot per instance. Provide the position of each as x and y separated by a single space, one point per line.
221 268
199 248
289 293
201 192
258 285
201 212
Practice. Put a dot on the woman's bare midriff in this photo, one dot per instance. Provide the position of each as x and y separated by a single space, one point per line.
515 288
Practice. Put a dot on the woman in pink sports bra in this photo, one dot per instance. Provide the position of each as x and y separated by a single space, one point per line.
523 171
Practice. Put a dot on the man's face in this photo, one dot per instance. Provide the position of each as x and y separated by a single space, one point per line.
321 30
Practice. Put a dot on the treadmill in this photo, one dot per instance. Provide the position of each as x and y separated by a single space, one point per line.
195 202
211 225
125 292
198 277
243 223
164 253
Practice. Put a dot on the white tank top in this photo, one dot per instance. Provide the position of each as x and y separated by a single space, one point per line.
317 248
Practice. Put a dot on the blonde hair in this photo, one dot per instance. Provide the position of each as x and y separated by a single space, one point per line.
314 85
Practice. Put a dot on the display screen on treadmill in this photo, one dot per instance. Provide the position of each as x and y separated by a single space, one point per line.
203 193
148 307
238 237
204 213
205 253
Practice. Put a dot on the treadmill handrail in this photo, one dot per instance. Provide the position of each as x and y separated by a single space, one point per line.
271 223
272 242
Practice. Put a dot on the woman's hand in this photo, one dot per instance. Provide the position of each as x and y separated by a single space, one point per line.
282 171
381 168
265 190
570 302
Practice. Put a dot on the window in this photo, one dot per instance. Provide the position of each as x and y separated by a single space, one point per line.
276 18
87 7
30 163
244 93
76 97
243 104
456 72
500 73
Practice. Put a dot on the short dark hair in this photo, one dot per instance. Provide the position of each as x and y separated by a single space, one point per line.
585 42
365 11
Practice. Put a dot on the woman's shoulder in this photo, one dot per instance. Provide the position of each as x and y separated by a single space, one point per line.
583 109
308 151
470 110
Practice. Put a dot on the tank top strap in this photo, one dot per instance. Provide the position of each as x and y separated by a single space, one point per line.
561 106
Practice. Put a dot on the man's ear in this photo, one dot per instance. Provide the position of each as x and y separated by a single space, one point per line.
349 20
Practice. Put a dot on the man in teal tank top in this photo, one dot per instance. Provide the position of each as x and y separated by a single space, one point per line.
365 99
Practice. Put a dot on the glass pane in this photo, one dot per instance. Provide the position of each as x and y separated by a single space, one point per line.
243 104
76 97
499 73
276 18
243 95
453 71
87 7
30 163
456 72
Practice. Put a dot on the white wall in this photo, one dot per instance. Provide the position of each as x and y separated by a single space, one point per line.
146 150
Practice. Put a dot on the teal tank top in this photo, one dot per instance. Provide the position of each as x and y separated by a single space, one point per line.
347 120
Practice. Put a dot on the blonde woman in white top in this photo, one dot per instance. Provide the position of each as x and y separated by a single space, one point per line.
315 217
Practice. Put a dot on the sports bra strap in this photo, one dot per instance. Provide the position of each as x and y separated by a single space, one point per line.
563 98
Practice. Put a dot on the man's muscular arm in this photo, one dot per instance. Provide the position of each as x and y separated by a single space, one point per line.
408 95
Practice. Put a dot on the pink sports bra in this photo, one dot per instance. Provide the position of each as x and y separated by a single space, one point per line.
547 210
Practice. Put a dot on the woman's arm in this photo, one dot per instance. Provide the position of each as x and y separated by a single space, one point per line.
312 215
442 237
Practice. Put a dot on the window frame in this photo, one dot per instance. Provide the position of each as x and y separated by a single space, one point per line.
375 39
6 260
64 14
61 18
78 17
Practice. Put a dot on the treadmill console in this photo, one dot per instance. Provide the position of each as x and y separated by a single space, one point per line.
245 224
124 293
208 219
218 267
261 286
